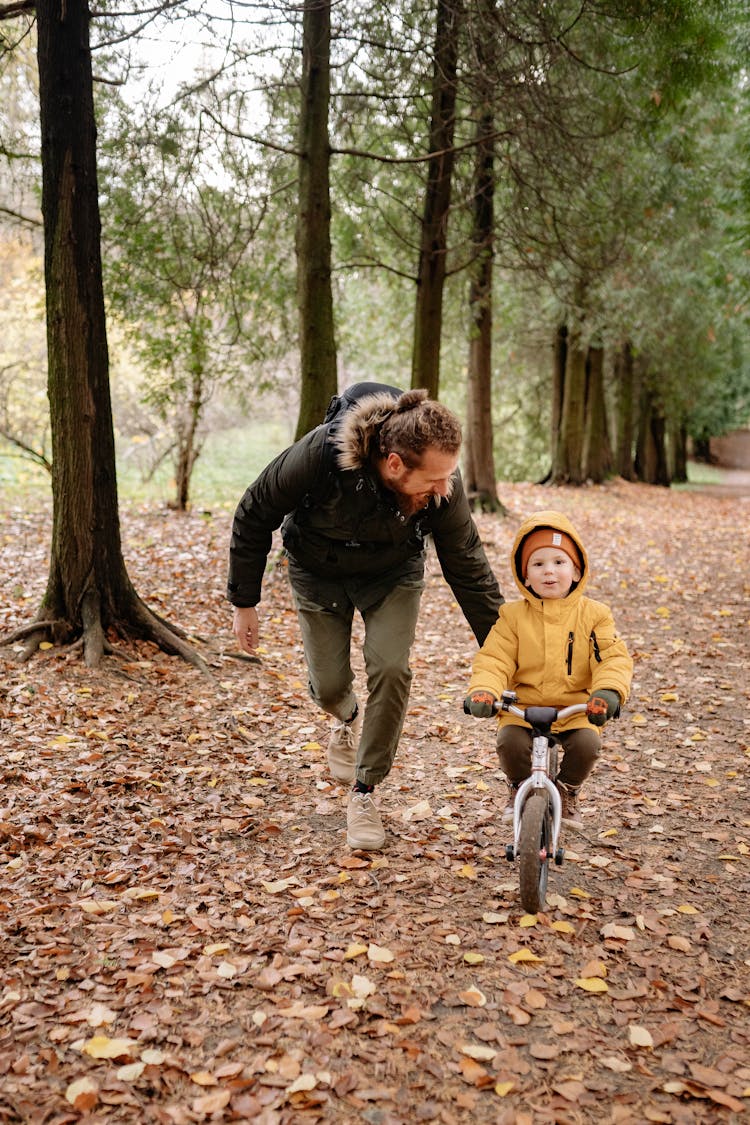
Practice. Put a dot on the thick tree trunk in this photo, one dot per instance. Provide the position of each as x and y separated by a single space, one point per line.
88 589
428 315
318 374
679 448
479 459
627 397
567 466
651 451
559 362
597 451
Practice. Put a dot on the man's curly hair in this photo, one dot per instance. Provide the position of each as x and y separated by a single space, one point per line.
417 423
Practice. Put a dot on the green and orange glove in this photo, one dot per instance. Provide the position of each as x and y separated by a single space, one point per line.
480 704
602 705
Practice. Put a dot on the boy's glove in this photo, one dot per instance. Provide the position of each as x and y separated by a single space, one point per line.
601 706
480 704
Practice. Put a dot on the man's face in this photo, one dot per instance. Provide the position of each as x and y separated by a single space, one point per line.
415 487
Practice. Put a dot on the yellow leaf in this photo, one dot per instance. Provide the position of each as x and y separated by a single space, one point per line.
473 958
312 746
669 697
608 833
523 955
662 611
711 782
259 781
379 954
217 947
563 927
102 1047
640 1036
502 1089
638 720
576 892
354 950
467 872
204 1078
44 645
686 908
482 786
528 920
592 984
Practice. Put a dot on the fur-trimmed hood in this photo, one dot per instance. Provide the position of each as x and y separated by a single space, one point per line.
359 429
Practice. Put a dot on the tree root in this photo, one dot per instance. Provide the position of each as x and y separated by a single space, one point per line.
136 619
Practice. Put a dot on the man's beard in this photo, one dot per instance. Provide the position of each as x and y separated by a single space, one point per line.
410 505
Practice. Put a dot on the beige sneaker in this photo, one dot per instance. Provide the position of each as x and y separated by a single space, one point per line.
342 748
364 828
571 815
507 816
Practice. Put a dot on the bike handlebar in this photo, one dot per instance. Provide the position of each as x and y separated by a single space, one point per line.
534 714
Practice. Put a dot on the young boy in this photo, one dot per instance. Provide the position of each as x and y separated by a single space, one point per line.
553 647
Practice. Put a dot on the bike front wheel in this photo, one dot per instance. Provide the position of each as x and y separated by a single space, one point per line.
534 844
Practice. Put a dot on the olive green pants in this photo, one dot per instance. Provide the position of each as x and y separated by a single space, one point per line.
581 748
390 626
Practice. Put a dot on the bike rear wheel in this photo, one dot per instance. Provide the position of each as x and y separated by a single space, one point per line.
534 844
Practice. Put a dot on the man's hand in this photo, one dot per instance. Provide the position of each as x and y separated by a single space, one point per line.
480 704
601 706
245 628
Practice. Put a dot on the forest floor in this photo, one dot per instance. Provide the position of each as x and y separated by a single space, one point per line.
185 936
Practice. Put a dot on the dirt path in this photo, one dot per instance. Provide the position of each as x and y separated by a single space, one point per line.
184 933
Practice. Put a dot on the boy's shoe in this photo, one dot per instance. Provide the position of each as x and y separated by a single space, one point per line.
511 803
342 748
570 813
364 828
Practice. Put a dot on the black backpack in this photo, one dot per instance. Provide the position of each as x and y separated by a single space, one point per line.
337 408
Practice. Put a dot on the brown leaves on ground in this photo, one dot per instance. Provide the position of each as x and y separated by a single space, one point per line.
185 937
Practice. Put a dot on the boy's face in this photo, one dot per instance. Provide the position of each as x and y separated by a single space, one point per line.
550 572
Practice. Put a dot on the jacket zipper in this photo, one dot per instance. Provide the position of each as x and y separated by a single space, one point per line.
570 651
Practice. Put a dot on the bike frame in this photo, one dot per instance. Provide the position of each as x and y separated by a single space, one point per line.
540 719
539 779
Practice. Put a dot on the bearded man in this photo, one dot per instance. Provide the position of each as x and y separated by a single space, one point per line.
356 505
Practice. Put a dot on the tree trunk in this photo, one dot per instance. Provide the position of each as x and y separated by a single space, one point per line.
318 374
560 359
679 443
626 388
479 460
567 467
651 454
597 453
88 589
428 315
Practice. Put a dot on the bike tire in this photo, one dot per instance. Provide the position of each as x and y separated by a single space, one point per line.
534 843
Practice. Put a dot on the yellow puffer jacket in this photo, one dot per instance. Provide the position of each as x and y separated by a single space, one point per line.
552 651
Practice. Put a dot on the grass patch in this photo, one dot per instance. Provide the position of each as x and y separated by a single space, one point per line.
229 462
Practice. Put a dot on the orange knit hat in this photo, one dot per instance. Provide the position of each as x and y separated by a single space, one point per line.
548 537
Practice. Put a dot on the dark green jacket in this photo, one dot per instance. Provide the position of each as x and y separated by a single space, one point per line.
342 529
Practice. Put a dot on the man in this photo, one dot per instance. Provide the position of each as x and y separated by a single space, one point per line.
355 539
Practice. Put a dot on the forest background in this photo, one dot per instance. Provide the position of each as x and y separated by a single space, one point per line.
541 214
